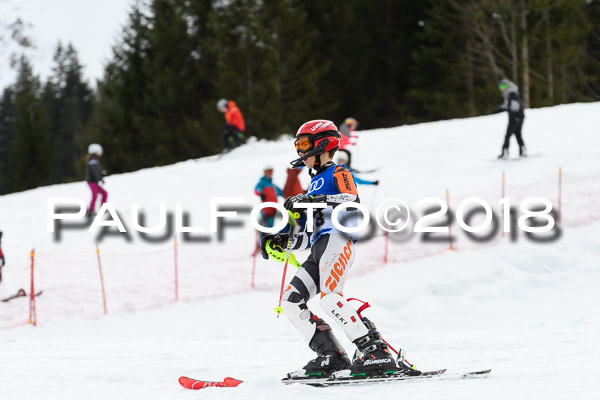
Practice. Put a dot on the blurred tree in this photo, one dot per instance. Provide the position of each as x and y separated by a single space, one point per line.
30 154
68 99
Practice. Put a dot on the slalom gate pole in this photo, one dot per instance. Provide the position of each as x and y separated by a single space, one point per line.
256 236
32 313
292 221
176 268
503 194
101 279
449 221
560 195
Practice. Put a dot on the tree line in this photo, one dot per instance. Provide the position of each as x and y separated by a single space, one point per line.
385 63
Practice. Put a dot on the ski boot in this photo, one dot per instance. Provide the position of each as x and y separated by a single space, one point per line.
504 153
376 357
523 151
331 356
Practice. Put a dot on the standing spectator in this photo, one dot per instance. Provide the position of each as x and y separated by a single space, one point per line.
94 175
268 192
235 127
292 185
2 260
347 130
516 116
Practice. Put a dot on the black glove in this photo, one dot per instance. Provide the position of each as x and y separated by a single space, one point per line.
278 239
376 183
290 202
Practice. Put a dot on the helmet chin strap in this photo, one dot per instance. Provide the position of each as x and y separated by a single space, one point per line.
317 151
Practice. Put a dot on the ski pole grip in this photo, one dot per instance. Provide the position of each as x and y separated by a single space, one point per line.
292 217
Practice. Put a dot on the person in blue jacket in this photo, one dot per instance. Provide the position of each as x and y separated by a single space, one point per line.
324 272
268 192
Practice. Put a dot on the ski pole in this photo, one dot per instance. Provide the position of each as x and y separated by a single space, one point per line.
292 221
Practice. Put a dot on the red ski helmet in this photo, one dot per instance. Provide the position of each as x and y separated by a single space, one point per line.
315 138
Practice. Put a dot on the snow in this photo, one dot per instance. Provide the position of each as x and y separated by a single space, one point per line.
526 310
91 26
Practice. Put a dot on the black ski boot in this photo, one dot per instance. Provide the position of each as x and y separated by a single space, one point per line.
504 153
523 151
376 358
331 356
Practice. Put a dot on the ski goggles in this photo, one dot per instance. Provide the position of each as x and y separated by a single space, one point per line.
503 86
303 144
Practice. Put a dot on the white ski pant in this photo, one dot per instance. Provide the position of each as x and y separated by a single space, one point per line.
324 272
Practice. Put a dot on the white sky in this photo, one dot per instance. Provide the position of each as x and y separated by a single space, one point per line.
92 26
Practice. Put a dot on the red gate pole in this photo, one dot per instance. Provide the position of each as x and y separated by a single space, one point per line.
559 195
101 279
176 268
32 314
449 221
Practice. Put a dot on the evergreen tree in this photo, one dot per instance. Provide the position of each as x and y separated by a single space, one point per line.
69 101
30 152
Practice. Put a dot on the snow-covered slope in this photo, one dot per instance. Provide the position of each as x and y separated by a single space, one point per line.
527 310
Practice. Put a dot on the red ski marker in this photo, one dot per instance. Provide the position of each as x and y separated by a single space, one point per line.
195 384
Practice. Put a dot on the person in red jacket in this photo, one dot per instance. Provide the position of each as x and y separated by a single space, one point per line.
347 130
235 127
292 185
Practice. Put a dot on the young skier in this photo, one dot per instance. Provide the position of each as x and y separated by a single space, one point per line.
94 175
235 127
347 131
268 192
512 104
326 268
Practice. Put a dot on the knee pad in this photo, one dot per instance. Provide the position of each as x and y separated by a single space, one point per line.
344 314
301 317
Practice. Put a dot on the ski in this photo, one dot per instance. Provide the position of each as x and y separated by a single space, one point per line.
440 374
355 380
195 384
20 293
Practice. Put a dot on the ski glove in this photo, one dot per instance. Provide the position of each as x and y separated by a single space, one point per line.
290 202
276 240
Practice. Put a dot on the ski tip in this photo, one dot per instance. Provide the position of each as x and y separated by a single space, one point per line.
231 382
183 380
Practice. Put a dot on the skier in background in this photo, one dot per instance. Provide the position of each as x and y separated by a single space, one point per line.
268 191
347 130
326 268
94 175
292 185
235 127
342 161
512 104
2 259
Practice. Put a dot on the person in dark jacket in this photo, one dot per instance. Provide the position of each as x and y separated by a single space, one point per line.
512 104
94 175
